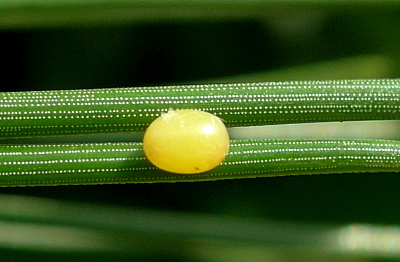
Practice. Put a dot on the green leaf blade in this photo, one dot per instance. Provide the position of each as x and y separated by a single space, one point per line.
88 111
115 163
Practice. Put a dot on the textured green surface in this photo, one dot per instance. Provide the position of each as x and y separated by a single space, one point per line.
88 111
108 163
114 110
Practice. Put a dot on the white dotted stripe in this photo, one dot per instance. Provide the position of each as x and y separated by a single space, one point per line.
249 158
132 109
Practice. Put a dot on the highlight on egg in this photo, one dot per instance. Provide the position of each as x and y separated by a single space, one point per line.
186 141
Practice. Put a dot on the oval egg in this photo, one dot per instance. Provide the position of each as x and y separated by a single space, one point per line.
186 141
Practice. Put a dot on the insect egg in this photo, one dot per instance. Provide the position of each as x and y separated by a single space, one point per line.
186 141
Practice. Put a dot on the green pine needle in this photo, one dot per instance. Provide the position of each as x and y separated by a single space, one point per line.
89 111
109 163
46 113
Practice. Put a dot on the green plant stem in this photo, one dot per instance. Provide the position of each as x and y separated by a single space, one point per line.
113 163
88 111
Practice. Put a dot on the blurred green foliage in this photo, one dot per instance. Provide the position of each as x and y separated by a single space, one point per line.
153 51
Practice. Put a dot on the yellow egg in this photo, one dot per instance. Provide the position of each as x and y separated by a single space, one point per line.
186 141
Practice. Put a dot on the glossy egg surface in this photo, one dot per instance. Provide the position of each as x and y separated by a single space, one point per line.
186 141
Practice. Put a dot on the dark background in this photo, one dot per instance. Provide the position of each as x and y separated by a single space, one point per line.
173 52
